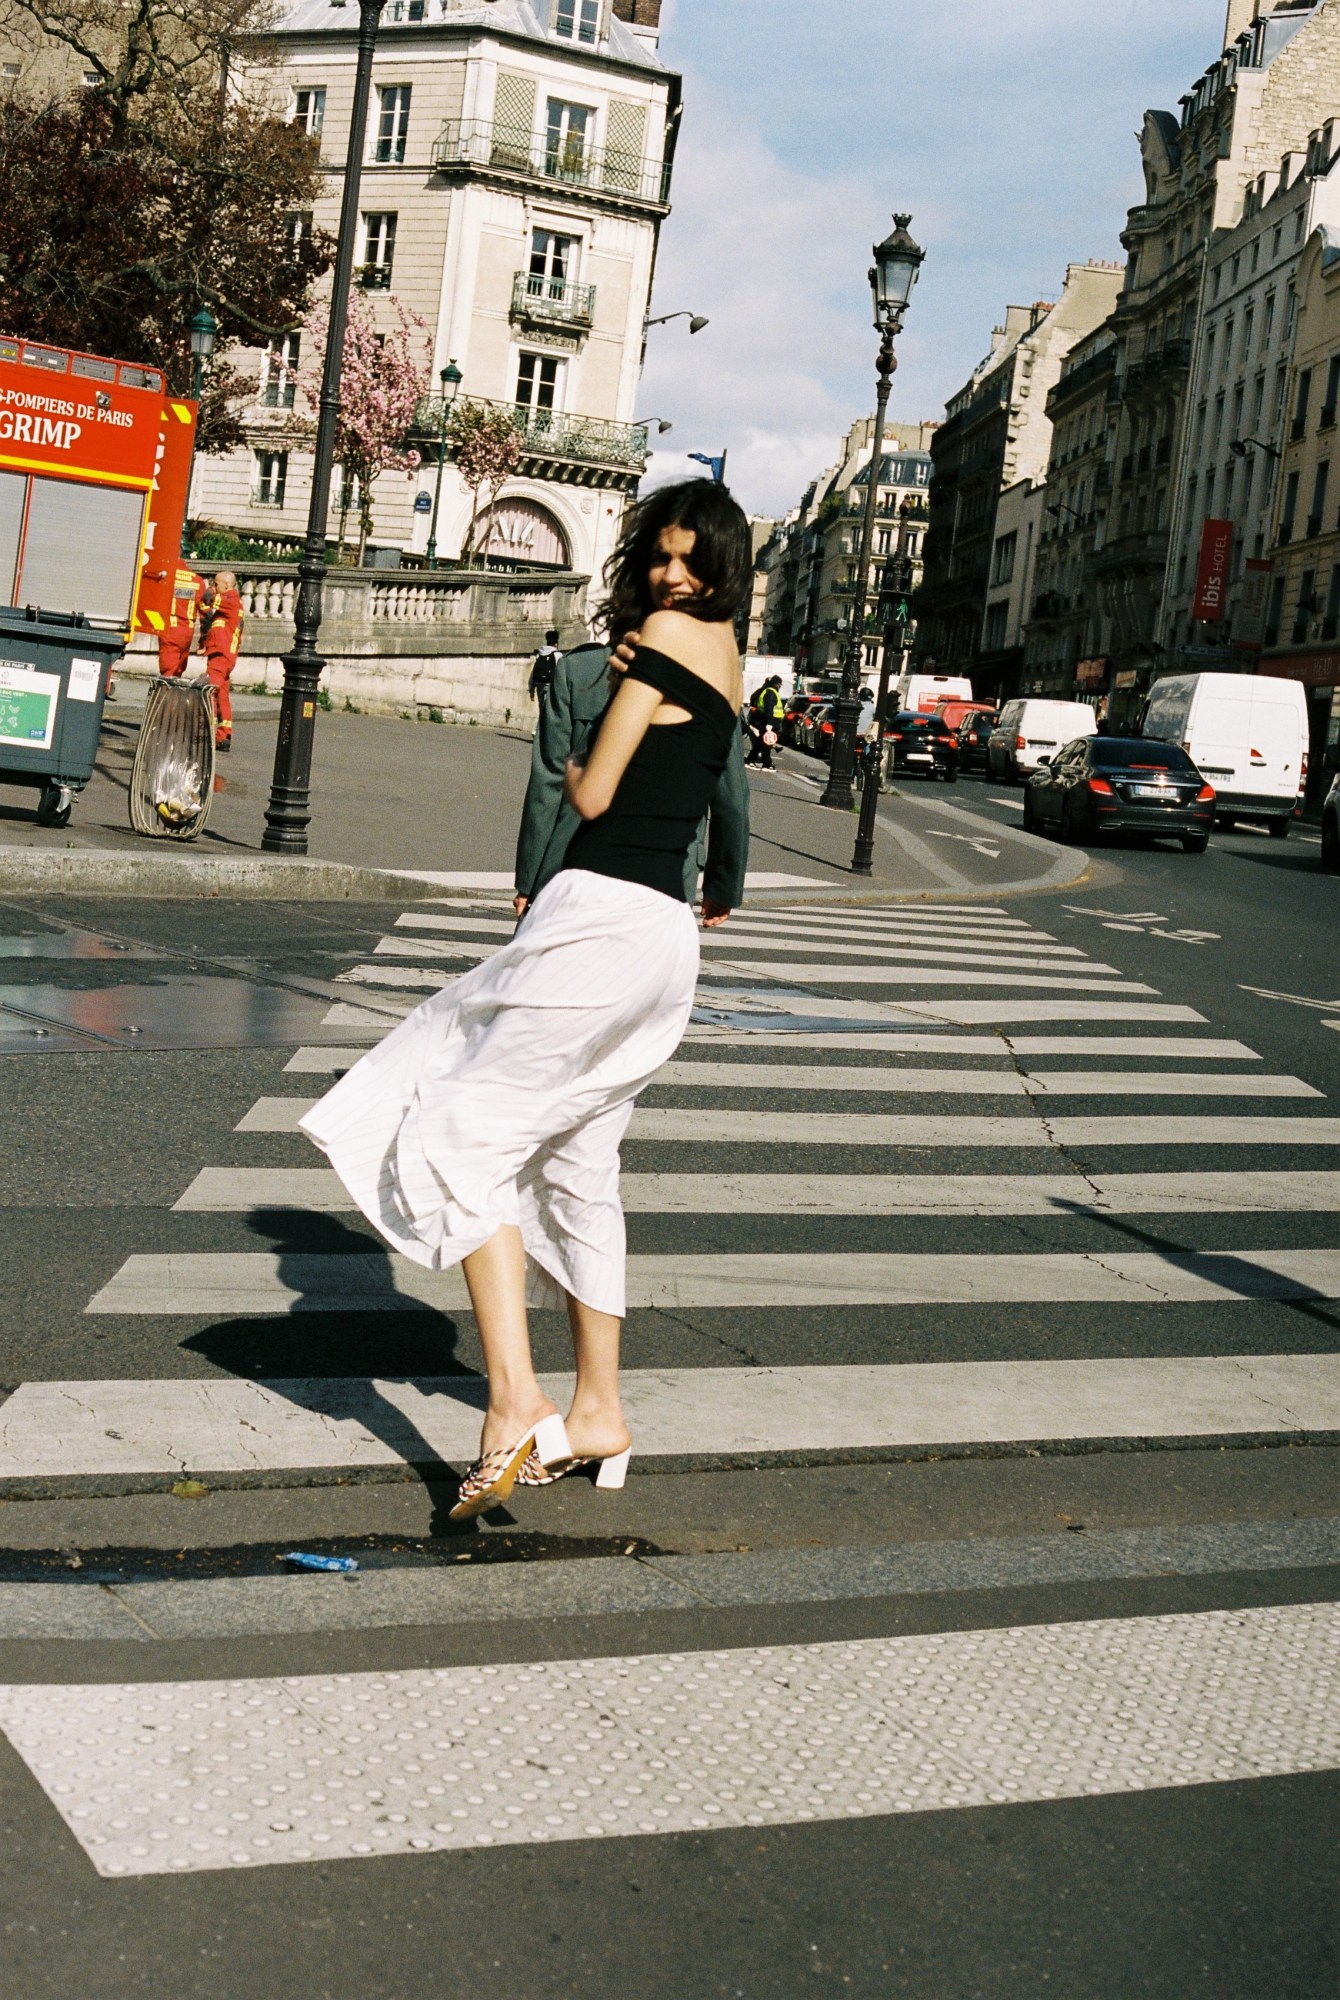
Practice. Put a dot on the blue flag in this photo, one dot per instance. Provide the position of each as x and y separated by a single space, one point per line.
717 465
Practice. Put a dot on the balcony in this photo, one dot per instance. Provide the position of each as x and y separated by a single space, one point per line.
1298 428
554 302
373 277
1313 526
1327 417
555 444
507 151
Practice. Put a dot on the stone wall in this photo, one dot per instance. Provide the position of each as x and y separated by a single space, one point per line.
405 641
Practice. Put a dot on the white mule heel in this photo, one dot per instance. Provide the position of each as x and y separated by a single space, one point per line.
551 1444
613 1471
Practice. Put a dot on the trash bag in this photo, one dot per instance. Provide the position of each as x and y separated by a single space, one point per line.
172 777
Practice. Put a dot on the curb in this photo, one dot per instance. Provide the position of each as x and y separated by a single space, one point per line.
99 872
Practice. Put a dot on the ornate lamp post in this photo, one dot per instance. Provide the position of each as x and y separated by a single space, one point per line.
894 272
895 611
204 333
289 811
451 379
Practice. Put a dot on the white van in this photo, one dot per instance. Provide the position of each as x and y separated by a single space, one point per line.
1245 733
920 692
1031 728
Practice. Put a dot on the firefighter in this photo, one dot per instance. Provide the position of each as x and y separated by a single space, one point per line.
190 594
223 639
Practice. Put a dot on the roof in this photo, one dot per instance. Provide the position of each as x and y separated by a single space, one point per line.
525 18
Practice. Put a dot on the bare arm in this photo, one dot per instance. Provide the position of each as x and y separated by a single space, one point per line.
589 788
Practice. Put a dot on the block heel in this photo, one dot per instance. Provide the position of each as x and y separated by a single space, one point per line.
613 1471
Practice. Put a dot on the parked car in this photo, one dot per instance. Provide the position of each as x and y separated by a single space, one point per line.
1126 784
792 714
1247 733
1030 728
955 710
921 746
823 729
973 736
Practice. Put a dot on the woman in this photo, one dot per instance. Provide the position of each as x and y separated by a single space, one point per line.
485 1130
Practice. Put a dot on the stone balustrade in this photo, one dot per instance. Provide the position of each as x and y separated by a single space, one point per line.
459 642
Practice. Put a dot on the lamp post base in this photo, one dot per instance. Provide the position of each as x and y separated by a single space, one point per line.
289 813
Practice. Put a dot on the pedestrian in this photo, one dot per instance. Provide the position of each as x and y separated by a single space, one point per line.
485 1130
189 595
542 672
224 623
764 722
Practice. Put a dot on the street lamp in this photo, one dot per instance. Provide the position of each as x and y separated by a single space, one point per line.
892 275
450 378
204 333
289 812
894 616
1241 446
695 320
663 424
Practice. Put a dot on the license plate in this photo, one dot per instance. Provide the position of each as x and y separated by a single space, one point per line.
920 757
1154 792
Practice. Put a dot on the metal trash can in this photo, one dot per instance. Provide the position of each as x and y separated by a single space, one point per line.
172 777
54 669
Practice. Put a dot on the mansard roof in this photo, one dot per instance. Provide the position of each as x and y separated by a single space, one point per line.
525 19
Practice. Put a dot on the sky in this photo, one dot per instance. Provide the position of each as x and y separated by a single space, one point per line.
1006 127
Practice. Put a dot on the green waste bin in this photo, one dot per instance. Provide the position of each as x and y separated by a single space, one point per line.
54 669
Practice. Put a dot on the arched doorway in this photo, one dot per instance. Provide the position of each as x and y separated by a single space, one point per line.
517 532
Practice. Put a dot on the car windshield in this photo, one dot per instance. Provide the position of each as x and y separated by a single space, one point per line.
1139 753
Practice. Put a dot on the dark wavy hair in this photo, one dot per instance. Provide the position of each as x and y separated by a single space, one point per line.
722 558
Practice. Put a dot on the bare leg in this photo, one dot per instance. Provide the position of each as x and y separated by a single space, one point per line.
596 1425
496 1277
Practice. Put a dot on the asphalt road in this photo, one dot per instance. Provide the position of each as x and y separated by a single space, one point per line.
765 1544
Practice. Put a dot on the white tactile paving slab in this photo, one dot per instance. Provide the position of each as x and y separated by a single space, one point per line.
224 1190
170 1426
179 1777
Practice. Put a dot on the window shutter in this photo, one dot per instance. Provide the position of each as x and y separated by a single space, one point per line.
625 141
513 119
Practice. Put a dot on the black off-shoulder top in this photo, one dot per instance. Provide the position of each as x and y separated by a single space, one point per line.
663 795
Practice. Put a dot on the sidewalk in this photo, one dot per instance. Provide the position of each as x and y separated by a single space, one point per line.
443 800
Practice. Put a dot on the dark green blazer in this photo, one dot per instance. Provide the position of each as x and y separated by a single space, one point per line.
569 714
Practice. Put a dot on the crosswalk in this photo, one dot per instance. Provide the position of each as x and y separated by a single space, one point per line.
983 1072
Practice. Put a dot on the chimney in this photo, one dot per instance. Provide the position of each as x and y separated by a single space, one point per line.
1240 16
640 13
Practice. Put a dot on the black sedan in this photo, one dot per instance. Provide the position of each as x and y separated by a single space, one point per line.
921 746
1120 784
972 740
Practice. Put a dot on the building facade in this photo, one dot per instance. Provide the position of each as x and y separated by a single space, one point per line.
1060 640
1246 118
996 437
516 177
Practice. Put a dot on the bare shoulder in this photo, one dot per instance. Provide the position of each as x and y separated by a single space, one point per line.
706 649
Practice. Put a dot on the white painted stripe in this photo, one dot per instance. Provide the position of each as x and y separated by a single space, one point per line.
238 1190
266 1282
753 1001
413 920
226 1424
724 1125
402 978
941 1042
455 878
797 974
324 1062
163 1777
404 947
779 924
918 954
376 1021
888 1078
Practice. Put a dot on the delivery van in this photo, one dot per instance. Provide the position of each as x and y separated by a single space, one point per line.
1246 734
921 692
1031 730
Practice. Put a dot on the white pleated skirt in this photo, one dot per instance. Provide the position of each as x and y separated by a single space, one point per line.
505 1097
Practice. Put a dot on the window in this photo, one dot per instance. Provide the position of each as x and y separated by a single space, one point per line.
1290 507
1217 432
1298 223
1332 392
1269 326
537 381
577 20
378 251
279 376
11 69
297 233
392 123
1258 400
1331 614
1301 397
271 478
567 128
1248 321
1237 267
1236 428
1274 610
1290 312
1002 558
309 109
92 77
553 263
1320 482
993 631
1306 606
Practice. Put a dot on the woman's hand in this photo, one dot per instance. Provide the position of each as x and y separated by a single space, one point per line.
621 659
714 914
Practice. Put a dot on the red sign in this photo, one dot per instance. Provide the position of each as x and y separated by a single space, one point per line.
167 517
1216 547
78 415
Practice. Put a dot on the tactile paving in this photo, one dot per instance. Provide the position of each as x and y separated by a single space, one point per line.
171 1777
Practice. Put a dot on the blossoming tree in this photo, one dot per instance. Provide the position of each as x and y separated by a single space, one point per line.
383 378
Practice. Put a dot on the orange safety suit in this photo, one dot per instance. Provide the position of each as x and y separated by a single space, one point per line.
223 638
175 642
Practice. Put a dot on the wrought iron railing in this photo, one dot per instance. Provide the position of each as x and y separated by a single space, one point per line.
566 158
552 299
554 433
